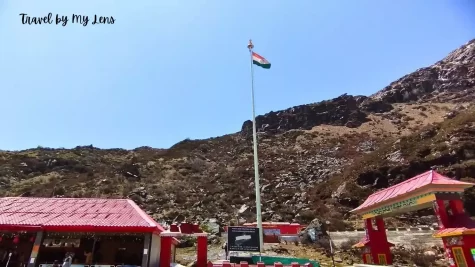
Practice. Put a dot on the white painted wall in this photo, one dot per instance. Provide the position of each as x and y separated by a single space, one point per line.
154 251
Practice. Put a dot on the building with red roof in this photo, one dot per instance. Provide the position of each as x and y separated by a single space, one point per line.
38 231
78 214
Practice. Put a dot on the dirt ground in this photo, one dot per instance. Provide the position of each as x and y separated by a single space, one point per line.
186 256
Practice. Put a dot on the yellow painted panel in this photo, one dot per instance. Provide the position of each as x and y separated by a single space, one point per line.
420 201
459 257
382 259
454 233
368 258
369 215
426 199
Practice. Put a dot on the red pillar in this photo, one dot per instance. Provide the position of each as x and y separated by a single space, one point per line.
378 242
368 233
443 219
441 213
456 206
384 245
165 251
202 250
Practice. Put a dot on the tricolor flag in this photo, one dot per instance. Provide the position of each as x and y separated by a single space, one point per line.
260 61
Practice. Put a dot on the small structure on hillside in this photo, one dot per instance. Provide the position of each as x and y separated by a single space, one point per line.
429 189
42 231
184 229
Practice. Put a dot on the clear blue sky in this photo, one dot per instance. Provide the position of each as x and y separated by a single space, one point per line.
176 69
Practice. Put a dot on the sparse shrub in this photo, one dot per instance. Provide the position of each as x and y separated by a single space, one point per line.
81 168
59 191
187 242
415 255
407 118
307 216
324 243
196 164
348 244
77 194
205 227
107 188
137 199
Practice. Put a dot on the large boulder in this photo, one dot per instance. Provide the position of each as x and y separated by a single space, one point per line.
314 232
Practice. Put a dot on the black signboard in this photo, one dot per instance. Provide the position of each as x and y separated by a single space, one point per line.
243 239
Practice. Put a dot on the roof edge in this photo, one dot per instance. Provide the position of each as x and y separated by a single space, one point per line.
418 191
79 228
426 189
403 182
460 184
69 198
144 215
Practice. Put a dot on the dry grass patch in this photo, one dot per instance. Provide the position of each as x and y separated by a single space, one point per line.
414 116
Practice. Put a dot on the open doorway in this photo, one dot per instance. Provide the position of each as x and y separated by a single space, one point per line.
90 249
15 248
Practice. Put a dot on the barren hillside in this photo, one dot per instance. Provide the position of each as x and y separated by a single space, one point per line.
316 160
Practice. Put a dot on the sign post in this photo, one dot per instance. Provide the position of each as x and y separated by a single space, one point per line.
243 239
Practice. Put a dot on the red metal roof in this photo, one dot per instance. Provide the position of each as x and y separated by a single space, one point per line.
426 178
75 214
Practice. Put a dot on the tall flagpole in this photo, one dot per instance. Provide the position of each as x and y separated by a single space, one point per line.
250 46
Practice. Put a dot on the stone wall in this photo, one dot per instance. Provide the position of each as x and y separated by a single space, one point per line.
399 236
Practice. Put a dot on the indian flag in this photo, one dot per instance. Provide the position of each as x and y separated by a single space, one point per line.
260 61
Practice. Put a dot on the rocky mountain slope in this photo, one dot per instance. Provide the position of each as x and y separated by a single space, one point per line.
316 160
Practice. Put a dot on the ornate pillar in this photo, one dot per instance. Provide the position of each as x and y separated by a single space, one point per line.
383 245
443 219
369 233
441 213
202 249
165 250
378 243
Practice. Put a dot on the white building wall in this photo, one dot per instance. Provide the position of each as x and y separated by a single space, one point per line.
154 251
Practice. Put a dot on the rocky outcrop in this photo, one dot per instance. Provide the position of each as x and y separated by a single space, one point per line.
341 111
315 231
451 79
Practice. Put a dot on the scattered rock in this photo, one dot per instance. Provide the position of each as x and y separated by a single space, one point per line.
304 173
